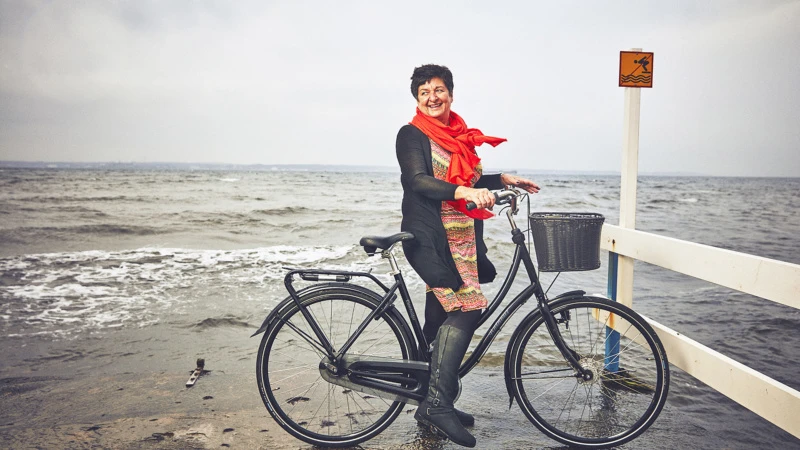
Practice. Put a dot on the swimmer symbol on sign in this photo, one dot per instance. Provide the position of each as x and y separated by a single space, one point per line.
643 62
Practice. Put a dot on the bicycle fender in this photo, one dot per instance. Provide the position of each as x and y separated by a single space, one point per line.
570 294
269 317
288 302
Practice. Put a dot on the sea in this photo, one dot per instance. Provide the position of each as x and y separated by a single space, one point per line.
108 270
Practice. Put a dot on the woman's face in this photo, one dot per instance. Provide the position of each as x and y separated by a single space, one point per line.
434 100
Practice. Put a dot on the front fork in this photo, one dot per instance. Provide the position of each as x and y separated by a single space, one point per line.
569 354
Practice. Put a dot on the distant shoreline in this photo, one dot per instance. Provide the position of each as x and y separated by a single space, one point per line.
292 168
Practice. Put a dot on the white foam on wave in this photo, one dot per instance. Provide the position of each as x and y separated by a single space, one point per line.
229 180
62 294
689 200
301 255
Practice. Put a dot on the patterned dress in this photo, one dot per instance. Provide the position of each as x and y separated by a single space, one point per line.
460 230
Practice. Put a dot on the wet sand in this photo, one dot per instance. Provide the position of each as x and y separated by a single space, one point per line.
223 410
126 390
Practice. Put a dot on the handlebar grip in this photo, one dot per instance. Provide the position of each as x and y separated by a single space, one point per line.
472 205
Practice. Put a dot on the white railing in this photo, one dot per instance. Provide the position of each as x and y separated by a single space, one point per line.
770 279
773 280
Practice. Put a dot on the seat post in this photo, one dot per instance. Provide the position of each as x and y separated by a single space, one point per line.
389 254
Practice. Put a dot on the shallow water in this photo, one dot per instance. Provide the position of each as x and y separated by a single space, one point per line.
111 271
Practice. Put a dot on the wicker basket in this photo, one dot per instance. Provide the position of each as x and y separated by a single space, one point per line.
567 242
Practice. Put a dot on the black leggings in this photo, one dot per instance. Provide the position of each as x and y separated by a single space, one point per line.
435 317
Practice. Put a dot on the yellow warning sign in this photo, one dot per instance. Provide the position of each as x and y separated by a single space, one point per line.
636 69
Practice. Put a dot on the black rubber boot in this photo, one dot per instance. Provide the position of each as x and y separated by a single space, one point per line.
466 419
437 410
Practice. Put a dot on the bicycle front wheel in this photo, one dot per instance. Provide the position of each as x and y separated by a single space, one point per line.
630 374
288 367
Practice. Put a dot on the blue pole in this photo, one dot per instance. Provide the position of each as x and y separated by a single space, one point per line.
612 336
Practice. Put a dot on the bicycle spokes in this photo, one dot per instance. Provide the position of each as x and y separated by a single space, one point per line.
606 406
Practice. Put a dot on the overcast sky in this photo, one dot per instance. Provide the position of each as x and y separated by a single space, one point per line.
324 82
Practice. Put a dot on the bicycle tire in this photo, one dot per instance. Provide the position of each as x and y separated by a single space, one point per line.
611 409
290 383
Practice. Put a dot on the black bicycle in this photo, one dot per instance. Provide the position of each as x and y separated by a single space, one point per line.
338 362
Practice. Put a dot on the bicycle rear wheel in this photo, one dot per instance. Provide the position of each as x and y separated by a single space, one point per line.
288 367
618 403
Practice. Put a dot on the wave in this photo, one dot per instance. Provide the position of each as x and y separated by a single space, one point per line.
658 201
285 211
337 221
323 213
99 229
68 293
102 198
219 322
82 210
603 196
195 217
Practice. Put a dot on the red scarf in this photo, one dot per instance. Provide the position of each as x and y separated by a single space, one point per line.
461 142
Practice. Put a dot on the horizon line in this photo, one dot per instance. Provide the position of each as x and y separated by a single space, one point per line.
321 167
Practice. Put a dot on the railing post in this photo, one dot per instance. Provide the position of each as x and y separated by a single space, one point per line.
611 363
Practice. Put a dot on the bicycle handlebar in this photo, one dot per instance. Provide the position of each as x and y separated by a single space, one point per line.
500 198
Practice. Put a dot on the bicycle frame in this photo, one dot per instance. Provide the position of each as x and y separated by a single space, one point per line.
401 371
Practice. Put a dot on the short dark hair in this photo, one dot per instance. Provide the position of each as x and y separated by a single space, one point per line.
426 73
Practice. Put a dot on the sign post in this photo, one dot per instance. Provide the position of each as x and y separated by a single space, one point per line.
635 72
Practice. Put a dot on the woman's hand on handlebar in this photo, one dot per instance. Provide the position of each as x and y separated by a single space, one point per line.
483 198
522 183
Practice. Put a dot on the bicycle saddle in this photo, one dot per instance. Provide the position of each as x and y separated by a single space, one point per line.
373 243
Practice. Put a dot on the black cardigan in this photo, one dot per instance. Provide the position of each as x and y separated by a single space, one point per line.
423 194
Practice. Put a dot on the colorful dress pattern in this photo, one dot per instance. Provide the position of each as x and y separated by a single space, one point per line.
460 231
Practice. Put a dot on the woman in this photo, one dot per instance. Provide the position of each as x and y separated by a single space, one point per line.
441 173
